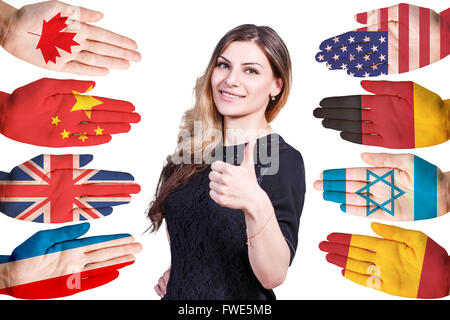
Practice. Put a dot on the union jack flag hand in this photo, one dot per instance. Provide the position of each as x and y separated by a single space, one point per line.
57 113
57 263
53 189
395 40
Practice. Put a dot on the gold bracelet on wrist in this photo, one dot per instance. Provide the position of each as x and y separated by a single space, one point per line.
261 229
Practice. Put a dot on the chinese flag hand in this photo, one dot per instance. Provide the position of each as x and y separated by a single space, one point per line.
55 113
403 262
57 263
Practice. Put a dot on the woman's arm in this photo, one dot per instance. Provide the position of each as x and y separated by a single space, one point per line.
236 187
268 250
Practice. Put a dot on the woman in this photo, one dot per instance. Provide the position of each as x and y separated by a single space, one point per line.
232 226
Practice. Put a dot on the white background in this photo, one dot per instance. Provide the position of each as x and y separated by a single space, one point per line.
176 39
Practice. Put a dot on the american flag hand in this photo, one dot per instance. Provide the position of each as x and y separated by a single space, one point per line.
395 40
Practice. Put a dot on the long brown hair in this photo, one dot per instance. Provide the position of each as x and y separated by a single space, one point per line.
199 142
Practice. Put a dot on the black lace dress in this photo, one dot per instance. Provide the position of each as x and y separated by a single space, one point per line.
209 255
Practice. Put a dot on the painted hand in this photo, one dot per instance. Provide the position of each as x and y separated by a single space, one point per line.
397 39
55 113
57 36
55 263
403 262
53 189
400 187
400 115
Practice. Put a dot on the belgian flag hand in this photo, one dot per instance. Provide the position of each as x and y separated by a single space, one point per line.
399 115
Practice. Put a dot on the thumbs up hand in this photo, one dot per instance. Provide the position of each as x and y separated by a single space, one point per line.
235 187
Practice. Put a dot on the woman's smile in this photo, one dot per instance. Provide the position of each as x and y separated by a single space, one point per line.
230 97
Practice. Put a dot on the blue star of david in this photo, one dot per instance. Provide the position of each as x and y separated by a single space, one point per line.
395 192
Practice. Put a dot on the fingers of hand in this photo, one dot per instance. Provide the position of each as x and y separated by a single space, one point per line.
355 174
361 267
97 129
78 13
94 33
358 264
82 140
93 189
109 50
112 250
371 281
82 69
218 181
221 167
90 109
161 286
96 60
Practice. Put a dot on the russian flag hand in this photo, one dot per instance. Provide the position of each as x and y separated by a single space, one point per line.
57 263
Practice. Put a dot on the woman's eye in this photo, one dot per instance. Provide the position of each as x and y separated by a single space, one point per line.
251 71
222 65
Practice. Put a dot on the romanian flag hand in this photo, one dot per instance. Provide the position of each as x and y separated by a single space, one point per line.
400 115
403 262
57 113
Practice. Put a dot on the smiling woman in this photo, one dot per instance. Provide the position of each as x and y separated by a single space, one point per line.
241 80
232 225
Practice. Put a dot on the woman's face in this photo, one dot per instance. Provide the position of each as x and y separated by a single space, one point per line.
242 80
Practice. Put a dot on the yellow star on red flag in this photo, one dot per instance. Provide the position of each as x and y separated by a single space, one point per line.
55 120
99 131
85 103
65 134
83 137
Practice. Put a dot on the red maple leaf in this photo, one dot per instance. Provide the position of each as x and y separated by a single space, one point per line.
52 38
